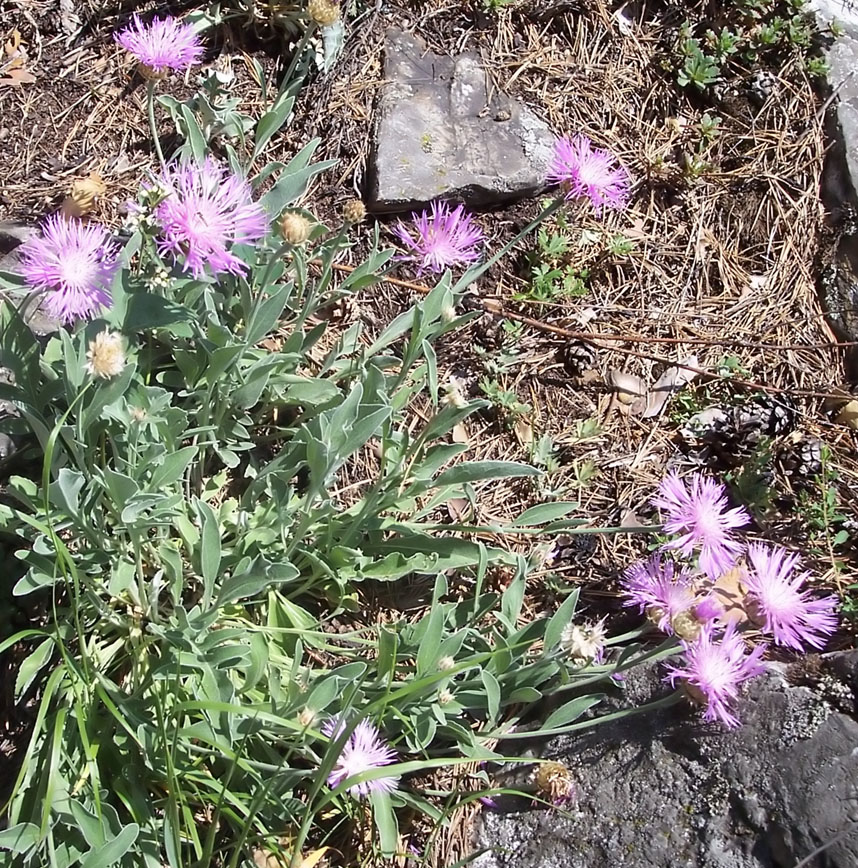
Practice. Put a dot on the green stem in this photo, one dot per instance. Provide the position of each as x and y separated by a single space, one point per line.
150 110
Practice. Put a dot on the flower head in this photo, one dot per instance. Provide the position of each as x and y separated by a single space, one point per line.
714 670
74 263
656 587
444 237
701 518
295 228
363 751
790 615
206 210
162 45
589 172
554 782
106 355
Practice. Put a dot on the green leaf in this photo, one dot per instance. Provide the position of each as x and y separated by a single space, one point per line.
571 710
474 471
172 468
558 621
145 311
20 838
195 138
294 179
308 390
544 513
429 651
113 850
32 665
266 315
254 581
385 822
270 123
210 550
493 693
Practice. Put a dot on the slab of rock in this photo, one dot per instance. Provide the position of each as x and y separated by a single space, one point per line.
840 179
12 236
440 133
664 790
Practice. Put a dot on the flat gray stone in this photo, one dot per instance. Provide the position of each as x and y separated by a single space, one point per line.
12 236
439 133
840 179
665 790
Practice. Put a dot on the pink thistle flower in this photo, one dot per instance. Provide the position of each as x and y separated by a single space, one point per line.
162 45
656 587
444 238
363 751
207 209
589 172
702 520
790 615
74 262
713 671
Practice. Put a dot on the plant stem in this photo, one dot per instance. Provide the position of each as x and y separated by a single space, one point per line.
150 110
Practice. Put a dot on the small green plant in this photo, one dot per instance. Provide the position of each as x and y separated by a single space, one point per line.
506 402
723 44
698 69
820 509
710 126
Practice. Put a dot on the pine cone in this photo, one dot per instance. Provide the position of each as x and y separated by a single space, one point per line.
577 357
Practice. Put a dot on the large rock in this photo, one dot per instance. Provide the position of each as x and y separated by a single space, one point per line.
664 790
439 133
840 180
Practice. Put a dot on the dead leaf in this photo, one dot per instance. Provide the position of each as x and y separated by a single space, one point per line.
672 380
17 76
523 431
460 433
729 591
82 196
313 859
459 508
627 386
848 415
629 519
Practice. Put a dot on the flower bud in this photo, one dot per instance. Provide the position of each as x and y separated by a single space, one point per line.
354 211
445 697
307 717
446 663
324 12
294 228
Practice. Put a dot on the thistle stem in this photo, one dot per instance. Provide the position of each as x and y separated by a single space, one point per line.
150 110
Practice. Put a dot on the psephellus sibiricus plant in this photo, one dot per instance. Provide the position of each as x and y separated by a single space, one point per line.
189 537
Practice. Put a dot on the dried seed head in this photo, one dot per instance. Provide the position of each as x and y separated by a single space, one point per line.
295 228
307 716
584 643
324 12
354 211
82 196
685 625
106 355
554 782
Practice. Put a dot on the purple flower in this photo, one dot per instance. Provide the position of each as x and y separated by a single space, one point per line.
790 615
363 751
589 172
656 587
701 518
444 238
162 45
74 262
207 209
714 670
